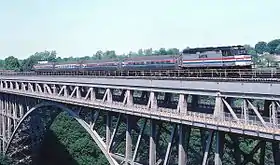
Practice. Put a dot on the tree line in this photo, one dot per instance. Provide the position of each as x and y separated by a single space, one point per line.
67 142
12 63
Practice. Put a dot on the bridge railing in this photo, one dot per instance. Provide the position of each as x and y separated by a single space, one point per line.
214 73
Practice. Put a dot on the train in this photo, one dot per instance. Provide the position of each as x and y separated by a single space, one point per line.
224 57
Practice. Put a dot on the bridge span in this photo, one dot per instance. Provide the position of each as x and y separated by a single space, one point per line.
218 109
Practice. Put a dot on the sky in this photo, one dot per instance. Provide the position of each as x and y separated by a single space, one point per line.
82 27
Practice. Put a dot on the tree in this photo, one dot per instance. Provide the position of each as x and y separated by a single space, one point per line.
11 63
250 50
98 55
270 59
148 52
162 51
277 50
52 56
132 54
27 64
5 160
261 47
272 45
85 58
140 52
2 64
109 54
156 52
173 51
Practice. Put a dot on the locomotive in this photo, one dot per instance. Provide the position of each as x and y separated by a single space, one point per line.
225 57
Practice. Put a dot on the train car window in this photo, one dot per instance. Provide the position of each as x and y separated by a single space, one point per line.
202 56
226 53
242 52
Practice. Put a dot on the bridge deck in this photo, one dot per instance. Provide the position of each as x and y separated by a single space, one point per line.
67 90
257 90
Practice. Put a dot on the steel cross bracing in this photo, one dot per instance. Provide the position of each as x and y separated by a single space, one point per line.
134 106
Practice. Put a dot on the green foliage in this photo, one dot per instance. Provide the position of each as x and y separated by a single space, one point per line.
173 51
11 63
277 50
272 45
67 142
28 63
162 51
261 47
2 64
250 50
148 52
4 160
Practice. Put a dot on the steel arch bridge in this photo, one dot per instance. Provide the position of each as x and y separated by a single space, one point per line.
128 122
39 126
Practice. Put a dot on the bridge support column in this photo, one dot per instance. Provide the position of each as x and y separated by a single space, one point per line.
20 107
128 98
152 152
245 111
273 113
108 128
276 152
207 148
220 138
219 108
262 153
182 104
15 111
9 124
152 101
184 137
3 124
128 145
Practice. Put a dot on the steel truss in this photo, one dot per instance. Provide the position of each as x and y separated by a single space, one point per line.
138 126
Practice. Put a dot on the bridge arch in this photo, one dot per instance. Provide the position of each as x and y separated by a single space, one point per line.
94 135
